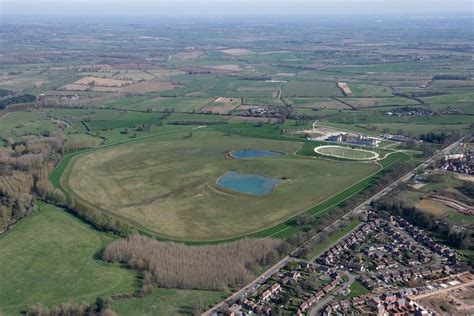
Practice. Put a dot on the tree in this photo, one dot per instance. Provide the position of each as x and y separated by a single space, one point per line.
428 151
304 219
101 304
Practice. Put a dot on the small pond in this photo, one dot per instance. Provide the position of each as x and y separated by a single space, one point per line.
248 183
254 153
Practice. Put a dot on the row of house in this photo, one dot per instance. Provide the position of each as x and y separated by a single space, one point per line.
410 111
386 280
397 304
320 294
256 308
272 290
459 165
423 238
283 279
331 255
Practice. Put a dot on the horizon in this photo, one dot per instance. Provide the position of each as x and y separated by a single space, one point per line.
238 9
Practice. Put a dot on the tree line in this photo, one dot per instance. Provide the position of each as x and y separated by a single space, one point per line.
98 219
101 307
24 170
209 267
440 138
24 98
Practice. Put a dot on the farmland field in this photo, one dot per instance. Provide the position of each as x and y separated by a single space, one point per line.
370 102
180 104
318 103
171 184
130 126
295 89
168 302
30 276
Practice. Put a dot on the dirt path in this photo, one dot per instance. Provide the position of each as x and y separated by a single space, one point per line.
442 291
457 205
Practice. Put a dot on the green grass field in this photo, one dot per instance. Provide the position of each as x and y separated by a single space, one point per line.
295 89
19 124
356 289
168 185
374 102
317 103
50 258
180 104
415 130
369 90
451 98
168 302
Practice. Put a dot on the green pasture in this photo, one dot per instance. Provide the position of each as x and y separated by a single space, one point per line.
171 184
51 258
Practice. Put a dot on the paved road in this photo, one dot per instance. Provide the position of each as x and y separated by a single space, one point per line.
263 277
252 285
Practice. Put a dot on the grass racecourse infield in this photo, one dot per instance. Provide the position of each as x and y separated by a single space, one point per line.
166 185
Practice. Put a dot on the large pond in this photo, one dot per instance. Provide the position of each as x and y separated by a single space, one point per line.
254 153
248 183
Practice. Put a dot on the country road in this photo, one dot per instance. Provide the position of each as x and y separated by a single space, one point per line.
264 276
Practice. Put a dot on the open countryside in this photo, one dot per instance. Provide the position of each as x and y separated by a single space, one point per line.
173 191
299 158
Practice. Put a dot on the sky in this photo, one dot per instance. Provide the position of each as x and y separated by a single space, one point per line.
222 8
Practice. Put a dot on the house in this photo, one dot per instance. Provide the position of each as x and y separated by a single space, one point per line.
295 275
335 306
389 297
265 295
328 310
376 301
345 305
312 300
275 287
308 266
358 301
303 306
319 295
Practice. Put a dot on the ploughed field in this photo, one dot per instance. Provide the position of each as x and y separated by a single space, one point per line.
168 185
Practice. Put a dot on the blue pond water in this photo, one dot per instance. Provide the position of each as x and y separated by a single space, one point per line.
254 153
248 183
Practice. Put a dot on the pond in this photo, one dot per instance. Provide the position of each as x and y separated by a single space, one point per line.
248 183
254 153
